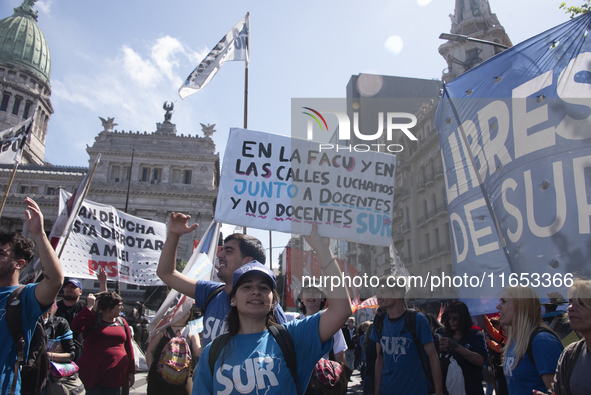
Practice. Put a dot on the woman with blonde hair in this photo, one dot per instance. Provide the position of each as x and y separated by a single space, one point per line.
531 350
572 374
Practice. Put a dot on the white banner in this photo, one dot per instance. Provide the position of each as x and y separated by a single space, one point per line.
280 183
233 46
13 140
127 247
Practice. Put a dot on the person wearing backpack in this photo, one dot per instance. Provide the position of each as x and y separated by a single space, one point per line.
63 376
16 252
238 249
465 345
257 356
531 350
181 365
107 361
406 358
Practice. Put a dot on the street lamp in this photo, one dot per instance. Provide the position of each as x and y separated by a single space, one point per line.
462 39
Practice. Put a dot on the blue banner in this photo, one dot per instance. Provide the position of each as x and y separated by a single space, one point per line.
515 137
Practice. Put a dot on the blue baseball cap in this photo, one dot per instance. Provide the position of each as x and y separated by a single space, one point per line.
253 267
74 281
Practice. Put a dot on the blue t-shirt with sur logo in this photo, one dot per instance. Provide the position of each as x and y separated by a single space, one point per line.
254 363
402 369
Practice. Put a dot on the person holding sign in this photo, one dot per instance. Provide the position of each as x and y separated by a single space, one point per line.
212 297
256 355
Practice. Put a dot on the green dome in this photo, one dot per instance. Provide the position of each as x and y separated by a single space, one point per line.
22 44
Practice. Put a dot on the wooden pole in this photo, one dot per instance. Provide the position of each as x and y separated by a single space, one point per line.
8 188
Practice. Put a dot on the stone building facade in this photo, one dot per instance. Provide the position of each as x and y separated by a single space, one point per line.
149 174
420 223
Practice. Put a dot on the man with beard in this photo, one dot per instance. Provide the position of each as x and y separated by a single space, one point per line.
71 305
16 252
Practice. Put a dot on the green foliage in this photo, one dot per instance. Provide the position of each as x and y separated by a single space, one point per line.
180 265
574 10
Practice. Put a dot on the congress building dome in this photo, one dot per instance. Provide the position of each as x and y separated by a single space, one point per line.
22 42
25 68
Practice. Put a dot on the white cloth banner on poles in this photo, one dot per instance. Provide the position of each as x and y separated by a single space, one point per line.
13 140
280 183
199 267
127 247
233 46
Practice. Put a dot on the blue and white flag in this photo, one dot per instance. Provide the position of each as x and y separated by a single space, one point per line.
515 137
233 46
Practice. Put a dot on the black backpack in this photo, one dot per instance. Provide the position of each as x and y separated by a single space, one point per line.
410 323
33 369
282 338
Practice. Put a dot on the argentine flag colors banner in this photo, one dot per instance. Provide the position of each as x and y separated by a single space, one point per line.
515 137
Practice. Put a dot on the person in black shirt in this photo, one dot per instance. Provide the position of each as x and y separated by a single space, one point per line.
71 305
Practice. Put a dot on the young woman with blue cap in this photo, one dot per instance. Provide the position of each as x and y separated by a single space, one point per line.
251 361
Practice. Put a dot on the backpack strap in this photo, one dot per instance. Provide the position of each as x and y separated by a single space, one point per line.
285 342
170 332
410 322
530 350
212 295
378 324
14 322
217 345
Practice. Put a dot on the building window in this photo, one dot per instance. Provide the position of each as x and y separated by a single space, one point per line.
156 175
17 105
50 191
23 189
188 175
27 109
115 174
131 286
34 190
145 174
96 284
4 104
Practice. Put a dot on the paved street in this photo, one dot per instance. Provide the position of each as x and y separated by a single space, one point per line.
141 386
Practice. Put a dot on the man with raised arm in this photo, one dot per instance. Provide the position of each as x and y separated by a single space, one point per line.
238 250
16 252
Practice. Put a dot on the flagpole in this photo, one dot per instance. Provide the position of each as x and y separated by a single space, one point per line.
8 188
76 209
245 109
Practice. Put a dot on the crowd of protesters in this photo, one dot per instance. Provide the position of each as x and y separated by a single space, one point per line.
249 345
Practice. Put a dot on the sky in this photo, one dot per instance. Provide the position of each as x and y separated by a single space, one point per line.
124 59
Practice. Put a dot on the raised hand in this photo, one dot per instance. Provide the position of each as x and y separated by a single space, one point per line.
34 217
177 224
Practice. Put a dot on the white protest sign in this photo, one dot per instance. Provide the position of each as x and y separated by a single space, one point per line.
127 247
285 184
